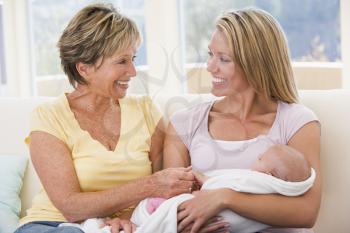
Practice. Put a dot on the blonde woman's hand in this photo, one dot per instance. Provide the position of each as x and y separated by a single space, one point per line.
214 225
172 181
118 224
197 211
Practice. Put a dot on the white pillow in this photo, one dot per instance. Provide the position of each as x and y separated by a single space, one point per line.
12 168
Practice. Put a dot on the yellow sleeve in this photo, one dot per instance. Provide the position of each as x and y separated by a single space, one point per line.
45 119
152 114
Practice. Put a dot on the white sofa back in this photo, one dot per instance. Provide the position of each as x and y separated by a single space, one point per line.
14 125
332 108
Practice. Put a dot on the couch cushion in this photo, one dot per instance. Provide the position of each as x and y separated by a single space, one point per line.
11 173
333 109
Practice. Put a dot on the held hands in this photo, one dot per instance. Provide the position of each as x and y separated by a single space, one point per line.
172 181
200 178
192 216
118 224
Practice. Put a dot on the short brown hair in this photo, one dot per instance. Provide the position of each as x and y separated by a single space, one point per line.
96 31
258 45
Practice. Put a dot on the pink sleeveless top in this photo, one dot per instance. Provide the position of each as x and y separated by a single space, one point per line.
207 154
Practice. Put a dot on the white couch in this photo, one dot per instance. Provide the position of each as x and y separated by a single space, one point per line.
332 108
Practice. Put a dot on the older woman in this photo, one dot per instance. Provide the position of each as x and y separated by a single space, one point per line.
94 149
251 69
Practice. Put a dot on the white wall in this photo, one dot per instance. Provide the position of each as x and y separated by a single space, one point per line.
345 40
165 66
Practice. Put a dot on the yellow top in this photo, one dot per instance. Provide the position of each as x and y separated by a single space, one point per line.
96 167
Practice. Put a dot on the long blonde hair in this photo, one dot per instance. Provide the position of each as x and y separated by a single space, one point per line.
259 47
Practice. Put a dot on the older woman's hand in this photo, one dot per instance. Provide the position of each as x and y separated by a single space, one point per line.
118 224
197 211
172 181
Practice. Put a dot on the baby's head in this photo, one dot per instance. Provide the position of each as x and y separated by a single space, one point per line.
283 162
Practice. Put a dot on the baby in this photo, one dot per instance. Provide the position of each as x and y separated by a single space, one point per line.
281 169
283 162
280 161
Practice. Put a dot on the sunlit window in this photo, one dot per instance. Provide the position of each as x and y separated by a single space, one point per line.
48 19
312 27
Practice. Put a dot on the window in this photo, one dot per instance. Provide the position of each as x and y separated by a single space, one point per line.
3 80
312 27
48 19
179 30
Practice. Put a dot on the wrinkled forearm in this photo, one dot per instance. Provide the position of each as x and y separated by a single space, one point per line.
83 205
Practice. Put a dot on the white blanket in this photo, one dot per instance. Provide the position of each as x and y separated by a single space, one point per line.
92 225
164 219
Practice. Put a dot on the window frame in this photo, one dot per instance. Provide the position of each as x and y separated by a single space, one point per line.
3 78
17 45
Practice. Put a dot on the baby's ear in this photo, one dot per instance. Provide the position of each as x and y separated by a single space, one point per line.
269 173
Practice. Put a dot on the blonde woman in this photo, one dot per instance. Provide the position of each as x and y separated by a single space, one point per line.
95 149
251 69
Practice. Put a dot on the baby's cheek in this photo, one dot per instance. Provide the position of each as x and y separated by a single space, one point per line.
260 167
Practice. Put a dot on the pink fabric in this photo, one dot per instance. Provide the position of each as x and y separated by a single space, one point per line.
153 203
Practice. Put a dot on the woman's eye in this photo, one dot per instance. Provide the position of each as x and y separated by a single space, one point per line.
125 61
224 59
210 53
121 61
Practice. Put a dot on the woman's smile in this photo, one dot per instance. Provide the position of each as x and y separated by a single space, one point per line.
123 84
